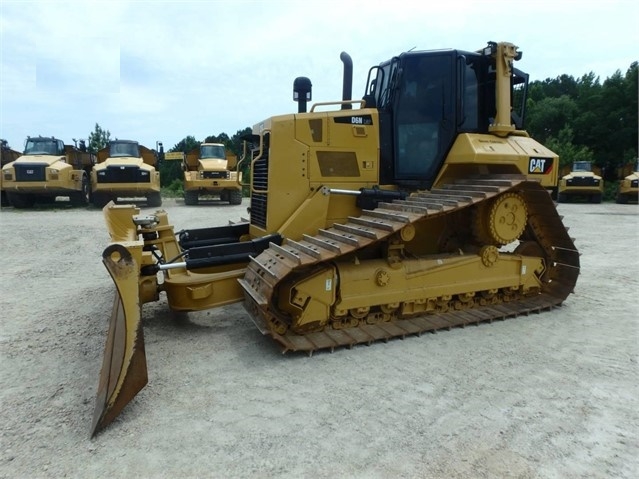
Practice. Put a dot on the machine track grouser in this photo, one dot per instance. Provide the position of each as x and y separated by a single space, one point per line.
400 294
365 224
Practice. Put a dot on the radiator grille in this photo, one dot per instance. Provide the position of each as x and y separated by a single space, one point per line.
31 172
123 174
259 201
215 175
583 181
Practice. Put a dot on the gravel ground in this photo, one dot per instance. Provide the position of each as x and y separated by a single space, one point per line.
552 395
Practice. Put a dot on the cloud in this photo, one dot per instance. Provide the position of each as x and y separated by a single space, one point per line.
167 69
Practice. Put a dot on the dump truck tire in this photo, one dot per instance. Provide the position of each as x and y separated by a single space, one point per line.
154 199
235 197
81 198
191 197
20 201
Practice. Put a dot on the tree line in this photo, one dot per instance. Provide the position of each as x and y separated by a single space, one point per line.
585 120
580 119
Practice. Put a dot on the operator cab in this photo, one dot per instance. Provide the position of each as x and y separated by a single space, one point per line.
425 99
581 166
124 149
44 146
212 151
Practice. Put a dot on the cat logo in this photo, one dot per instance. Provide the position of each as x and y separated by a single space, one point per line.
539 166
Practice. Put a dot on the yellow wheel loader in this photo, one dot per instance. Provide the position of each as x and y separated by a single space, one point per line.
423 206
126 169
46 170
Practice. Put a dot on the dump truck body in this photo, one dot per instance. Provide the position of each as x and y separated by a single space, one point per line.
126 169
629 187
46 170
7 155
209 171
581 182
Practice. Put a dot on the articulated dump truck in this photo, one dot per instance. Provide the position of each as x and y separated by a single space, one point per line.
628 191
126 169
582 181
423 206
7 155
209 170
46 170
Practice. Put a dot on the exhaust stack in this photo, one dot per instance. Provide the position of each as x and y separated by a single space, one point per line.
347 84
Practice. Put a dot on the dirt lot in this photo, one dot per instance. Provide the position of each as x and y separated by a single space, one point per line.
553 395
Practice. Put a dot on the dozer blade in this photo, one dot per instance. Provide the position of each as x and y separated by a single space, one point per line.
123 372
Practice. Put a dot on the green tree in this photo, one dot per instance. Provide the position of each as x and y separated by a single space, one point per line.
618 120
234 144
98 139
237 140
549 115
601 117
567 150
221 138
586 126
171 175
186 144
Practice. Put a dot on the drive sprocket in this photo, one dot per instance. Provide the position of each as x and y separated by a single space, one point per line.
502 220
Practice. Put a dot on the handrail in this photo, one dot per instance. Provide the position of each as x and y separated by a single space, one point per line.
344 102
238 169
257 158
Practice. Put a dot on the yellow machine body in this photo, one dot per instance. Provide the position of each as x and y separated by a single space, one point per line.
353 236
629 187
7 155
581 182
126 169
45 170
209 170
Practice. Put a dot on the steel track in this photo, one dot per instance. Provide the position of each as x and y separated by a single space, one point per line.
267 270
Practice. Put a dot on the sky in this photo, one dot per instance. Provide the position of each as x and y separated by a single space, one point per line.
158 71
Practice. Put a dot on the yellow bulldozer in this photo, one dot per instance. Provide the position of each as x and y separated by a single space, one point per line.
209 170
423 206
126 169
48 169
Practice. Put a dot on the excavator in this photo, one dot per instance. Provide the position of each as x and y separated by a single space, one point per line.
423 206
